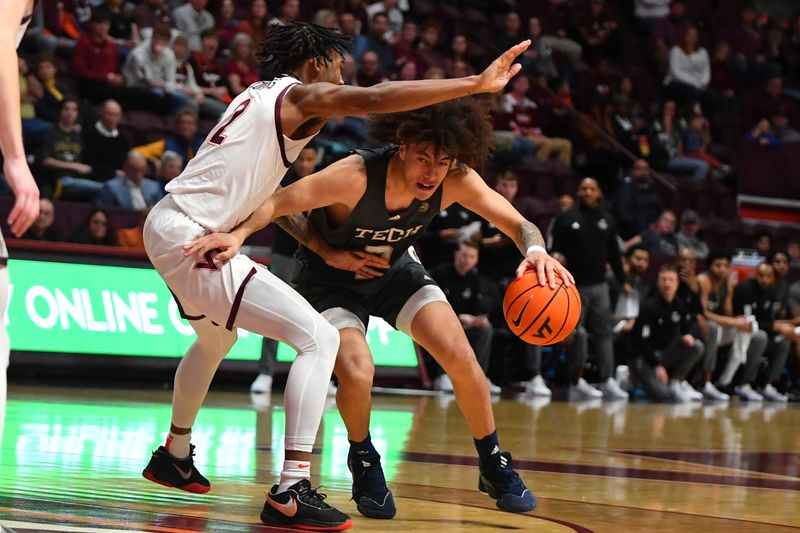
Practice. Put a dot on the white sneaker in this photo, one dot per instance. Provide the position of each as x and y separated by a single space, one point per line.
262 384
583 391
332 388
538 387
623 373
693 393
679 393
746 392
493 389
443 383
612 391
771 393
710 392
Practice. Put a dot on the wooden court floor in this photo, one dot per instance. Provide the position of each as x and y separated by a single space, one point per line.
71 460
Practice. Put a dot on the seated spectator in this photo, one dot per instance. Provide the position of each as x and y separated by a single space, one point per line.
539 59
688 237
30 93
749 47
53 91
123 26
43 228
458 52
658 237
791 50
783 130
63 24
287 12
739 332
133 238
763 135
649 12
192 18
758 297
105 148
151 67
131 189
429 43
208 71
392 12
668 31
241 70
446 232
185 141
779 259
170 168
348 25
669 148
663 347
405 47
771 102
598 30
689 292
763 242
511 32
256 23
186 82
376 41
475 299
524 120
696 143
227 24
96 229
636 204
793 249
557 30
724 79
626 298
689 73
149 14
96 61
370 72
62 157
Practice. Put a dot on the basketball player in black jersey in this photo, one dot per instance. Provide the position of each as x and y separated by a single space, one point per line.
380 202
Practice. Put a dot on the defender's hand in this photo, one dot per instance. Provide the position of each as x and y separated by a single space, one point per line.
228 245
546 268
502 69
362 263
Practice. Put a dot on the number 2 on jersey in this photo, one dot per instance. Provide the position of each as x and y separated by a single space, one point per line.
219 135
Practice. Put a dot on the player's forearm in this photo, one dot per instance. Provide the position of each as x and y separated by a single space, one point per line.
397 96
10 124
528 235
298 226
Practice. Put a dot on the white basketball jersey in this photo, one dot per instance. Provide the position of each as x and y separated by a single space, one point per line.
241 162
24 26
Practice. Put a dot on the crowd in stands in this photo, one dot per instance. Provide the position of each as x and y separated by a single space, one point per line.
618 102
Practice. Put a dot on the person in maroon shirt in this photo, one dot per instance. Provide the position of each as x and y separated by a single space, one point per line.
242 68
150 13
404 48
208 72
750 49
96 61
771 102
226 22
255 25
370 72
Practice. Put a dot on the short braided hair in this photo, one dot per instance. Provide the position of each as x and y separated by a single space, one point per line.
286 48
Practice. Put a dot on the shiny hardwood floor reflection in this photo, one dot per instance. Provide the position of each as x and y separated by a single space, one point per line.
71 460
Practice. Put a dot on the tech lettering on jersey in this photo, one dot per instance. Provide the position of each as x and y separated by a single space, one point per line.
387 235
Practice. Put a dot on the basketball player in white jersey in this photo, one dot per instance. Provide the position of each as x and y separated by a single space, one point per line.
237 168
14 18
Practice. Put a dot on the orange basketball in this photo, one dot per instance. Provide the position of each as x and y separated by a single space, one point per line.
538 314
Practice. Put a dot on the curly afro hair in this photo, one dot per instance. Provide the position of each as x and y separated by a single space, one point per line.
461 128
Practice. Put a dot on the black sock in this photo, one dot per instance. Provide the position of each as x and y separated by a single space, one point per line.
487 446
364 449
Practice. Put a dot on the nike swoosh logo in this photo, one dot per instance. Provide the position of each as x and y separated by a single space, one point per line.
306 465
288 509
185 475
522 312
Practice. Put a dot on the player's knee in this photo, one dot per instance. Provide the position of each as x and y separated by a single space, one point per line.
327 339
356 371
221 341
457 358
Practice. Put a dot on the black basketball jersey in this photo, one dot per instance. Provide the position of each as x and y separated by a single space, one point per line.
370 227
716 299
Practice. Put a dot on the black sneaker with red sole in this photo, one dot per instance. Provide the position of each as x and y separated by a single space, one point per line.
165 469
302 507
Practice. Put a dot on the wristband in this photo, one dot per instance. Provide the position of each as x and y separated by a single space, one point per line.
534 248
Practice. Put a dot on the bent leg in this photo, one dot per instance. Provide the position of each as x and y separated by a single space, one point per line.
355 370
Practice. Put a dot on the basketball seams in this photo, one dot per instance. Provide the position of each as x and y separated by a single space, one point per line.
566 317
520 295
541 312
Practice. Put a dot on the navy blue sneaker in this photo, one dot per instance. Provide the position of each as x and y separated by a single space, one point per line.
373 498
503 484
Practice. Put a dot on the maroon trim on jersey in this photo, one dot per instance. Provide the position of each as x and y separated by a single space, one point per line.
238 300
181 312
279 126
3 261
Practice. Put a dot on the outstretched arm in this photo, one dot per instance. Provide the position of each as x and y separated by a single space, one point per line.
324 100
15 167
473 193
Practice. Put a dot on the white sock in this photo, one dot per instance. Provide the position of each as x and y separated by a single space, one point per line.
294 471
178 445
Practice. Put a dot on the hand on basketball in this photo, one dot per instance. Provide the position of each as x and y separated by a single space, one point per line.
546 269
26 204
228 245
502 69
362 263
